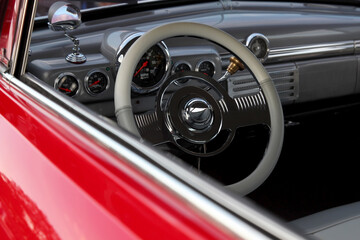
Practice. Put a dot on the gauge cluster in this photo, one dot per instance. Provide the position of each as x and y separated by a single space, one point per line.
89 82
94 80
163 60
95 83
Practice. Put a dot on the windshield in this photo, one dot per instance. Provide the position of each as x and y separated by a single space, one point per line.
44 5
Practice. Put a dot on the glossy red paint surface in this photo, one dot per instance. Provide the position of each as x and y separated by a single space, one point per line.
52 172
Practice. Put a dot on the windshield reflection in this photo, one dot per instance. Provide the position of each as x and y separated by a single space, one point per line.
44 5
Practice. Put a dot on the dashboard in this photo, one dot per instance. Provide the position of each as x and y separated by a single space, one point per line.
300 56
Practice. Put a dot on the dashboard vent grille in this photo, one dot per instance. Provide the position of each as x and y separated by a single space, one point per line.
286 80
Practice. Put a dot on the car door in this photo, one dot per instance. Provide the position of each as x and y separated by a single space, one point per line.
65 178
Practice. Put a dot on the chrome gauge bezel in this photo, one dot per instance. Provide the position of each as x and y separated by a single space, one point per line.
250 39
140 89
179 63
124 46
56 82
197 68
86 81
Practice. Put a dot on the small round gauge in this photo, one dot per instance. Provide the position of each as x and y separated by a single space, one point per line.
151 69
181 67
206 67
67 84
259 45
96 82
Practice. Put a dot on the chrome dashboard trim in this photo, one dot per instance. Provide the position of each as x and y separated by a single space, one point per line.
357 46
307 51
312 51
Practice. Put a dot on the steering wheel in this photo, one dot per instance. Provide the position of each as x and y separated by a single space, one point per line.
175 105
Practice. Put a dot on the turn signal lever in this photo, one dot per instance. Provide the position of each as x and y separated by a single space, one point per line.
234 66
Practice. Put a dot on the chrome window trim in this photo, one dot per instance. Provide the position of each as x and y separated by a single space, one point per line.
28 40
18 35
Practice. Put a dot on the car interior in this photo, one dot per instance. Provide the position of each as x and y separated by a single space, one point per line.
261 97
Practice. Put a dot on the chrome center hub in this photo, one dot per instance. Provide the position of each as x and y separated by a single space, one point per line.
197 114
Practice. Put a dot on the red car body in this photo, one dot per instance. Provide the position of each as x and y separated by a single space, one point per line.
70 170
58 183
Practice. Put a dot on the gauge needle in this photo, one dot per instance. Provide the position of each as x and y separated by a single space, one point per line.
94 83
65 89
144 65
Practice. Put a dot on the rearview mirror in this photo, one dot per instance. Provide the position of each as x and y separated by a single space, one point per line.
64 16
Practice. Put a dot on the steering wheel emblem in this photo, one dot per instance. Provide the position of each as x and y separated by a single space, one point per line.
198 115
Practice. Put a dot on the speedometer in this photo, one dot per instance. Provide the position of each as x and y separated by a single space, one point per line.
152 69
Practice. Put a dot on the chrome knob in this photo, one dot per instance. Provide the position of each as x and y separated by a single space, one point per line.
197 114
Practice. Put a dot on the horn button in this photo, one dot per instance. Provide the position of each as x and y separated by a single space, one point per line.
198 115
193 114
